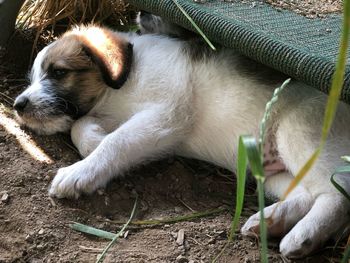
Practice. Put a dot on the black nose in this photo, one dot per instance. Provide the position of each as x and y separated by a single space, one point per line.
20 103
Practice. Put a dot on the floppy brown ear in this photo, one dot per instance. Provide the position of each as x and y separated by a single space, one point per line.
111 53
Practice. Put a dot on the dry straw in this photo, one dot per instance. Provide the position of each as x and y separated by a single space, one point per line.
54 16
44 13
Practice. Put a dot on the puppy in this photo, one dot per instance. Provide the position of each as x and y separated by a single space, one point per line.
129 98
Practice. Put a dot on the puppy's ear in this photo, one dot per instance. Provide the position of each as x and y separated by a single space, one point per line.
110 52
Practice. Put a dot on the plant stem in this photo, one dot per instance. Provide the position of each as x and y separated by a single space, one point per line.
101 257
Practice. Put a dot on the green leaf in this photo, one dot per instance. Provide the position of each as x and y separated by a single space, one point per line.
241 179
346 256
257 169
333 98
341 170
253 155
91 230
256 166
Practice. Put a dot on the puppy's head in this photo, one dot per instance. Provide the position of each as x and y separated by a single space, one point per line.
69 75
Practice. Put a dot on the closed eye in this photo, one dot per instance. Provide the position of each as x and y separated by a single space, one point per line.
58 73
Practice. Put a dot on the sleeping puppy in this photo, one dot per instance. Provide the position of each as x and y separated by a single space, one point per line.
129 98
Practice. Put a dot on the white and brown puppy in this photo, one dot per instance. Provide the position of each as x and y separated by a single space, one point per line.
128 98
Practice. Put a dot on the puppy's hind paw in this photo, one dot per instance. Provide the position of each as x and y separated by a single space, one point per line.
251 227
280 217
296 245
328 215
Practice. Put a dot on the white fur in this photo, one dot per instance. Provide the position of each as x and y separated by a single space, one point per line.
171 104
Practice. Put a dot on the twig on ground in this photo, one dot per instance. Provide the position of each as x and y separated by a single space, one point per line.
91 249
174 219
7 98
186 205
71 147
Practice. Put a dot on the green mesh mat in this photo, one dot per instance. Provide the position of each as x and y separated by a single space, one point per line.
303 48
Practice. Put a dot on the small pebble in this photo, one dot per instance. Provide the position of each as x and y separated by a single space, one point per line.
29 238
40 246
181 259
100 192
177 209
180 237
126 234
5 197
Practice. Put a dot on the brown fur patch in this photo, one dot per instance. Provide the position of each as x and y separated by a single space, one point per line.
83 83
111 53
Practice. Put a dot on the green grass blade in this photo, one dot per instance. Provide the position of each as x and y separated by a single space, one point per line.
302 172
338 77
241 179
102 255
341 170
346 256
256 166
194 25
333 98
248 151
91 230
262 225
253 154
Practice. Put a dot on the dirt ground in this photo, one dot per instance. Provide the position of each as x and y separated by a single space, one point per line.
35 228
309 8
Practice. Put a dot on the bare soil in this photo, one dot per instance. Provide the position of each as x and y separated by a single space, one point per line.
35 228
309 8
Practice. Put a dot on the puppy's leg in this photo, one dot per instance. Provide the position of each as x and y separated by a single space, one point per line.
315 211
298 136
281 216
152 24
86 134
145 136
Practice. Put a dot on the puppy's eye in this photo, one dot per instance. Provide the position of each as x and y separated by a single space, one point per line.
58 73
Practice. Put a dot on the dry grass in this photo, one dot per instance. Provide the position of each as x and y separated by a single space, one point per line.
48 13
48 18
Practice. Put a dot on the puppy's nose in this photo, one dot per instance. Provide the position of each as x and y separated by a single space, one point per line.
20 103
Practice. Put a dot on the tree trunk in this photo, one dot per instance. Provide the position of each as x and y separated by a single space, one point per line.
8 13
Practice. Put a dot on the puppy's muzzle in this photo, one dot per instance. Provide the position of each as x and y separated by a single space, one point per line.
21 104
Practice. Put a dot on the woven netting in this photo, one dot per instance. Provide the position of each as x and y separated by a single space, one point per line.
303 48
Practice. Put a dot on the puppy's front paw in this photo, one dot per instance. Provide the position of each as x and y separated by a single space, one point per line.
73 180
